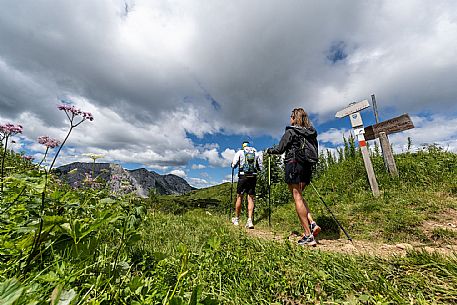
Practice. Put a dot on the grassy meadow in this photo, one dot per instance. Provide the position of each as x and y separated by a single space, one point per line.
59 245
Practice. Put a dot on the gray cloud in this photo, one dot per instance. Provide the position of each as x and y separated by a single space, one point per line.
154 71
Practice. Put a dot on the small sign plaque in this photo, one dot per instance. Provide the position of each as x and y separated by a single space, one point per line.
356 120
358 131
356 107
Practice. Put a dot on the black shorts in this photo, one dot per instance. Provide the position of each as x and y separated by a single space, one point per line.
298 172
246 185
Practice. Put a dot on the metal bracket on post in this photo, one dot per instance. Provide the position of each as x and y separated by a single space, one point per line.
353 111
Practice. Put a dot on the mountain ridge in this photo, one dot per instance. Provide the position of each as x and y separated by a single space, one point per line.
121 180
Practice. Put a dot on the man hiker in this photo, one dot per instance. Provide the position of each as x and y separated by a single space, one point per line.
249 163
299 142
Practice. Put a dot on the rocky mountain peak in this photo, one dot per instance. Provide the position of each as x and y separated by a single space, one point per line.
120 180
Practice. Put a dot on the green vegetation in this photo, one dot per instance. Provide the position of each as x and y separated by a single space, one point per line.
96 248
237 269
424 191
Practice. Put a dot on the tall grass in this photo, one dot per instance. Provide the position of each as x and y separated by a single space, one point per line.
237 269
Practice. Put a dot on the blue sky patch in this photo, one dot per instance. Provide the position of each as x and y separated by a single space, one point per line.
337 52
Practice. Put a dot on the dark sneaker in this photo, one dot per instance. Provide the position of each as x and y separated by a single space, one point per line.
307 241
315 228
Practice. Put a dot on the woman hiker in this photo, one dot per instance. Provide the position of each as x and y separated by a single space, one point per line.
297 171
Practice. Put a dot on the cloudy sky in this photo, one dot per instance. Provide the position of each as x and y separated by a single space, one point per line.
175 86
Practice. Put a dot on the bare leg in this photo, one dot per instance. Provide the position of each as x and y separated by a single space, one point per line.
239 198
300 207
250 206
302 188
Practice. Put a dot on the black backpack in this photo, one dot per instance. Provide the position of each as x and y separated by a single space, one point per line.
307 150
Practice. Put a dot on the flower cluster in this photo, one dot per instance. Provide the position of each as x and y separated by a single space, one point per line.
28 158
10 129
94 156
76 111
48 142
88 116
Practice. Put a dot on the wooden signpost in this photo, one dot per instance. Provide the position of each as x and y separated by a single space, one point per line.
400 123
381 130
353 111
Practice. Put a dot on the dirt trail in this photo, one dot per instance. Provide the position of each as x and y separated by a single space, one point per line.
359 246
448 221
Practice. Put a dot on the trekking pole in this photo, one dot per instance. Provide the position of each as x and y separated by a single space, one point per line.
269 188
231 196
328 209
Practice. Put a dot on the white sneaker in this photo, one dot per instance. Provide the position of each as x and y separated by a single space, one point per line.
235 221
249 224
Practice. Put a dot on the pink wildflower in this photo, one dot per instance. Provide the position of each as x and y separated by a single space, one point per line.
48 142
28 158
69 108
72 112
10 129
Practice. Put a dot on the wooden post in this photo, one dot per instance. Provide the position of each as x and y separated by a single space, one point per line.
375 108
368 165
376 117
353 111
387 153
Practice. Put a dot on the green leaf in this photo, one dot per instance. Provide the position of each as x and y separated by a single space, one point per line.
176 300
49 277
209 301
215 243
107 201
195 295
10 291
133 238
54 219
364 298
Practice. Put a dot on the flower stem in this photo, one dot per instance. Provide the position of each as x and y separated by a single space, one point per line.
60 147
44 158
3 163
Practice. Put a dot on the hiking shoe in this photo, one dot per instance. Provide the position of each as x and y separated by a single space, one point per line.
307 241
315 228
249 224
235 221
